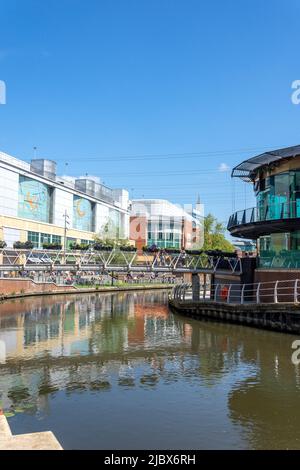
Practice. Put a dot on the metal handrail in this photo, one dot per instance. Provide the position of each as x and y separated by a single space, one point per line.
276 211
270 291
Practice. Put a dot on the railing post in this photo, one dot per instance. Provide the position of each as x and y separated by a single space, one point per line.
195 287
228 293
216 289
275 293
296 291
257 293
242 293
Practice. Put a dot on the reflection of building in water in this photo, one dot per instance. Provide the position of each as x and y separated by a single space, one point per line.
74 343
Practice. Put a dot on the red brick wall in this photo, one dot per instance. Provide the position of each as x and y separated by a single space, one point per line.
19 286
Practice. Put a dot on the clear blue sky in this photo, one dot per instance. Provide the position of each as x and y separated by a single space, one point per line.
93 82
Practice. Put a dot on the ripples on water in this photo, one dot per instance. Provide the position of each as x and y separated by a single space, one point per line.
120 371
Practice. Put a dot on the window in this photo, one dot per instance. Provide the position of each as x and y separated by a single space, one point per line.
34 238
45 238
86 242
56 239
70 241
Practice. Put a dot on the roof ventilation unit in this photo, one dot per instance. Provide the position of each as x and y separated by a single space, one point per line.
42 167
86 186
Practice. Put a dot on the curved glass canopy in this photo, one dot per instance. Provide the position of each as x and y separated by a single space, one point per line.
248 168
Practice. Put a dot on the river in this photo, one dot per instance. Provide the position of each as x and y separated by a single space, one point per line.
119 371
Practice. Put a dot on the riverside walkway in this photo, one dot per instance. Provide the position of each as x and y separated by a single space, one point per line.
271 305
34 441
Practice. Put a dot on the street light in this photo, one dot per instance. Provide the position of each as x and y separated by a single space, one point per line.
67 218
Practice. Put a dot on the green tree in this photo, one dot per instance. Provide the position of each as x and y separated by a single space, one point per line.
214 238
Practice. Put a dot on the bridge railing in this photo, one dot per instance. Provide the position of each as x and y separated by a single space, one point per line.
116 260
233 293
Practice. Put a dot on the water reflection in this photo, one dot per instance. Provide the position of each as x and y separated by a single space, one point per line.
139 376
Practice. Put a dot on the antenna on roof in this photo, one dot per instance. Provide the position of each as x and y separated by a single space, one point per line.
34 152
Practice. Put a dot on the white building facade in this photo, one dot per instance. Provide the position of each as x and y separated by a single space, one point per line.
35 205
166 225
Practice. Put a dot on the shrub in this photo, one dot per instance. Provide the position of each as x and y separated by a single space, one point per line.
150 249
194 252
79 246
52 246
100 247
128 248
2 244
172 250
23 245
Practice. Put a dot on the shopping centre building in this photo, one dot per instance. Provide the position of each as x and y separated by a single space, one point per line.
275 220
163 224
37 205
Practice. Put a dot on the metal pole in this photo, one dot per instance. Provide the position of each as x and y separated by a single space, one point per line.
275 293
296 291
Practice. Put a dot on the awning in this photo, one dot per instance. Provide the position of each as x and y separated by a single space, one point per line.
248 169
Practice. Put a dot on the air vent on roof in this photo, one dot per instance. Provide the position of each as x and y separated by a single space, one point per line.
46 168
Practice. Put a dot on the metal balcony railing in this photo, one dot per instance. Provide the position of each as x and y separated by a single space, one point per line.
268 212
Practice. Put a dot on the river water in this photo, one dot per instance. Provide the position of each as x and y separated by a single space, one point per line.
119 371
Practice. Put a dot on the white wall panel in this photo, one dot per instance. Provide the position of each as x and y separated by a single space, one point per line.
9 190
11 235
63 201
102 214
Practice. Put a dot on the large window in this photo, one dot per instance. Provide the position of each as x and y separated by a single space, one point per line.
280 250
39 238
34 238
56 239
278 196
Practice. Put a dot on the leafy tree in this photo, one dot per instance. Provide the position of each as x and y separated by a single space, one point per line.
214 238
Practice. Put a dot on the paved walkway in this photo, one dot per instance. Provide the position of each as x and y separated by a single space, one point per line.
35 441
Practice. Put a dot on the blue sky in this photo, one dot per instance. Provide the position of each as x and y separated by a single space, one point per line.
181 87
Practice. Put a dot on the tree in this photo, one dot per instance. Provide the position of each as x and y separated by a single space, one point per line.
214 238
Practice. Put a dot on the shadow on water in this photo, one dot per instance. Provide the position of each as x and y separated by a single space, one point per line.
119 371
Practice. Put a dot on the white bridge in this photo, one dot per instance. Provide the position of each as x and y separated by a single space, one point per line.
115 260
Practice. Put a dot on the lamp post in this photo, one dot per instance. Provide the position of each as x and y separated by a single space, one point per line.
66 217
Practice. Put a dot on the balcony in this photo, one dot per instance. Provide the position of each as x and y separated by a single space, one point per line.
270 218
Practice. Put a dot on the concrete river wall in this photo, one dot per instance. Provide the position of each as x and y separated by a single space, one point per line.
284 317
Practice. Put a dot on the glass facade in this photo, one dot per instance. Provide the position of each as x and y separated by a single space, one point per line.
39 238
164 233
280 250
278 196
34 200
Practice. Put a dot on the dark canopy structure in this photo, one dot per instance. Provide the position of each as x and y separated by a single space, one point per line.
247 170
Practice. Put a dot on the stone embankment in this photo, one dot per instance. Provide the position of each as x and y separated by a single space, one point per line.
35 441
284 317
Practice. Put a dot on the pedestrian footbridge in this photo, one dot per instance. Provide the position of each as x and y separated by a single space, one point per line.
116 260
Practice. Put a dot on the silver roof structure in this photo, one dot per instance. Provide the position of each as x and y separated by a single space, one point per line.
247 170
